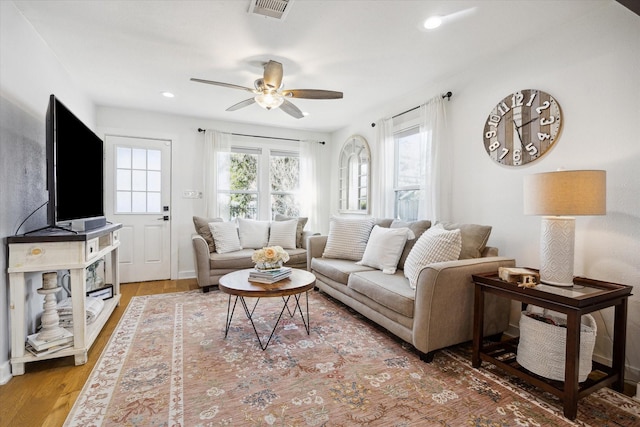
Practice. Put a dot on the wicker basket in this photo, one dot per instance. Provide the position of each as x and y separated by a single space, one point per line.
542 347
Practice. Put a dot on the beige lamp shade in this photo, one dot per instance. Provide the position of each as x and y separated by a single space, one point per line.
576 192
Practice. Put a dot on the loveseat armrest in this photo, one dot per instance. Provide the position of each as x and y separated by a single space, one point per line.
305 235
315 247
443 312
201 259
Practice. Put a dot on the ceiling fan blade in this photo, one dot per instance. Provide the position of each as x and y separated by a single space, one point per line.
291 109
229 85
273 74
241 104
312 94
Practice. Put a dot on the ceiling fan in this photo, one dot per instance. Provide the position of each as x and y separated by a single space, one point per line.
269 92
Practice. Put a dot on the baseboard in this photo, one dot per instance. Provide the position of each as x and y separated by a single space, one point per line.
188 274
5 373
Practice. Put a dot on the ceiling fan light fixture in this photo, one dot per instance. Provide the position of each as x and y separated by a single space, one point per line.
269 101
433 22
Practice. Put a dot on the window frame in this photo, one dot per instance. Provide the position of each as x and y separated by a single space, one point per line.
264 151
404 126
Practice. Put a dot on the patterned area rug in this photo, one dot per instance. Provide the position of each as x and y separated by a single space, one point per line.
168 364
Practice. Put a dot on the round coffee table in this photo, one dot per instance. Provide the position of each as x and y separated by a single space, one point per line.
237 284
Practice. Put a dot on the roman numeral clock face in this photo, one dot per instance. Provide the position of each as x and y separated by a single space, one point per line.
522 127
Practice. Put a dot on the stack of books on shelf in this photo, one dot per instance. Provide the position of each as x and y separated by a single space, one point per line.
269 276
40 348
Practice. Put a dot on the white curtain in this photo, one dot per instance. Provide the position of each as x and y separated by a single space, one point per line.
436 158
310 152
382 196
215 143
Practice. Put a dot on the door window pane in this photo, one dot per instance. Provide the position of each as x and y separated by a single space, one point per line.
138 180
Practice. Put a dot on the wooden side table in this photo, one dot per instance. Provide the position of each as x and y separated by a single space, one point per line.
584 297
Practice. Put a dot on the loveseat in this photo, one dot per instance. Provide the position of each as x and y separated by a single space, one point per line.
436 314
211 262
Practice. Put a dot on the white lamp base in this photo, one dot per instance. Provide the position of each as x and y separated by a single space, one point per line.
557 240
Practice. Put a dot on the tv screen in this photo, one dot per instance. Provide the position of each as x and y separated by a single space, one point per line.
74 167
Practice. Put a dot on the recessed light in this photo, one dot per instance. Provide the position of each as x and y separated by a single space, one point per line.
304 113
168 95
432 22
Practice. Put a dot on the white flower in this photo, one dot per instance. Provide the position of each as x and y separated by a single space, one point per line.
270 419
271 254
209 413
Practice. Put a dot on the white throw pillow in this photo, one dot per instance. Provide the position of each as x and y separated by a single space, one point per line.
253 234
384 248
435 245
225 236
283 233
348 238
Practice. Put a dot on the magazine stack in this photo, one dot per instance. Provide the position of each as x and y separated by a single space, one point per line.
269 276
40 348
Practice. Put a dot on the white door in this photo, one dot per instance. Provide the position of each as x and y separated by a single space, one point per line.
137 189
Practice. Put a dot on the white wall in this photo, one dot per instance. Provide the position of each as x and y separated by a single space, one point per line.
29 73
591 67
187 165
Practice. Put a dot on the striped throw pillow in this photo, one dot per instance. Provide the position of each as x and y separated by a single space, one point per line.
348 238
283 233
225 236
435 245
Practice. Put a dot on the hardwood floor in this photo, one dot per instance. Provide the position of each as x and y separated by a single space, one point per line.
44 395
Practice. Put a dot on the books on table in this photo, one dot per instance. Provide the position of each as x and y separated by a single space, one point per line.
36 345
269 276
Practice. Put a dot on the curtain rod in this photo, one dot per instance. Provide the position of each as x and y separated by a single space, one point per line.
447 95
265 137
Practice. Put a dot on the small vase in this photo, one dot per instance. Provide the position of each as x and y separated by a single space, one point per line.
269 265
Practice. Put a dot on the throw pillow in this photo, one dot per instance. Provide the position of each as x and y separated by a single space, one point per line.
435 245
283 234
348 238
225 236
384 248
253 234
474 238
301 223
418 227
202 228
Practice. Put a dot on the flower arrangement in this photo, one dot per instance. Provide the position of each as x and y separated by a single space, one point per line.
270 257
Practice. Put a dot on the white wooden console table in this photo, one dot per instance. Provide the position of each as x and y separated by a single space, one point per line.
52 250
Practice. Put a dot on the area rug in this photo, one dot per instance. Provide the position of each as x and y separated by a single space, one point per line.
169 364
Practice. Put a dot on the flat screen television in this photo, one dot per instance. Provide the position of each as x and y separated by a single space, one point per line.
75 168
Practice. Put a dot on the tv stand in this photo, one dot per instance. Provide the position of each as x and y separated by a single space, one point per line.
50 228
54 249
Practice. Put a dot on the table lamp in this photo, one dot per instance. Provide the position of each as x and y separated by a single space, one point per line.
559 195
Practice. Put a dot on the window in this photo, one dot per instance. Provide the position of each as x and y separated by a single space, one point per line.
408 173
284 176
258 183
138 180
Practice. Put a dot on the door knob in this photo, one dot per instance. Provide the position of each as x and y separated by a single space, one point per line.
164 218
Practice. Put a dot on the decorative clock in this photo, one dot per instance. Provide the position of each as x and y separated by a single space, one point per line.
522 127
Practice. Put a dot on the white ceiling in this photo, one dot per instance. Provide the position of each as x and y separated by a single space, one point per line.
125 53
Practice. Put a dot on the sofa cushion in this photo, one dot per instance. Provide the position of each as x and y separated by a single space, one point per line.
435 245
202 228
417 227
301 223
474 238
225 236
337 269
283 234
253 234
348 238
385 247
392 291
241 259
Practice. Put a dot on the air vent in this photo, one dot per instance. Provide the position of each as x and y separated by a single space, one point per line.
276 9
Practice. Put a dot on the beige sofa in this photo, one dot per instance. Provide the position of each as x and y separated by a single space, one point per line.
210 265
437 314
